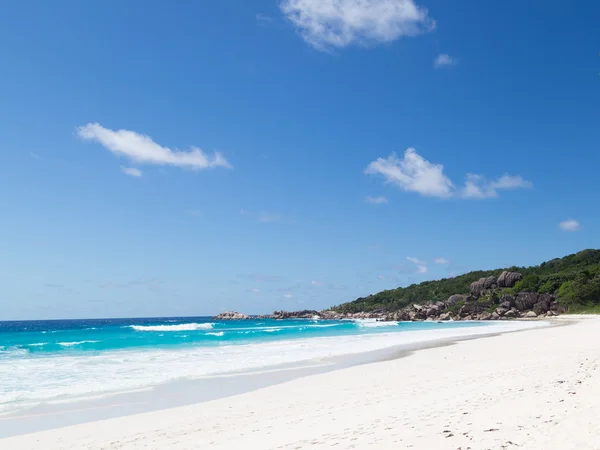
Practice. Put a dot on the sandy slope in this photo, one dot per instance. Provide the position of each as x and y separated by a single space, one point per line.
537 389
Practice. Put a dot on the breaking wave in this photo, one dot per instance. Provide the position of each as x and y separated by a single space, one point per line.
180 327
372 323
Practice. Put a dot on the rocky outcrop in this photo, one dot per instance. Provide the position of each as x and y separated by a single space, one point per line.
508 279
231 315
483 284
304 314
526 300
486 305
454 299
508 300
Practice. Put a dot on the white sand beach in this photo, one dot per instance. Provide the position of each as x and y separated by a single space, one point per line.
535 389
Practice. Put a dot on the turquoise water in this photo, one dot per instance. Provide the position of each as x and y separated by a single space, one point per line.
18 339
45 362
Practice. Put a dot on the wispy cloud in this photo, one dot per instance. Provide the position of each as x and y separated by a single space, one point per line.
413 173
143 150
59 288
570 225
152 284
441 261
376 200
478 187
416 261
267 217
316 283
329 24
288 295
131 171
444 60
263 19
421 265
261 278
263 216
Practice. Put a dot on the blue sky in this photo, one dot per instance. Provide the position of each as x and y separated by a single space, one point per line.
189 158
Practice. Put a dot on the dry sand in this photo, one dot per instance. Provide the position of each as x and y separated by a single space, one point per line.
536 389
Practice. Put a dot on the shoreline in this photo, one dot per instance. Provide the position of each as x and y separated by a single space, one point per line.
535 389
180 393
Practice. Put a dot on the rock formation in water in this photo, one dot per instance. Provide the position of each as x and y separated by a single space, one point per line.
231 315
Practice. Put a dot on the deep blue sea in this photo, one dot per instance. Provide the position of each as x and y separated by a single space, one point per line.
68 360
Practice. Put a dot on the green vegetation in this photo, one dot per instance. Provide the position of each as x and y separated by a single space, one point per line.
575 279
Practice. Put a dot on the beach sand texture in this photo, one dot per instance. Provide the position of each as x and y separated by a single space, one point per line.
536 389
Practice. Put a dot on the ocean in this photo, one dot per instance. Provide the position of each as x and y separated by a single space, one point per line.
48 362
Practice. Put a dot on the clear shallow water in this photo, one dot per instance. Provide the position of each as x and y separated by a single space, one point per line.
69 360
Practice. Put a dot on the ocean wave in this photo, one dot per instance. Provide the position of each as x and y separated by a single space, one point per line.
372 323
39 344
72 344
272 330
31 380
180 327
220 333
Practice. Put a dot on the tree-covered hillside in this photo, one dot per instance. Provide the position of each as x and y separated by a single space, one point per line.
575 279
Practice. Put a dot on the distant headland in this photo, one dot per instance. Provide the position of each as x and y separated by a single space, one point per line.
569 284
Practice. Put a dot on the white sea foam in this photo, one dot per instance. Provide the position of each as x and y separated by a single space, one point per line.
38 344
72 344
219 333
180 327
272 330
66 376
281 327
372 323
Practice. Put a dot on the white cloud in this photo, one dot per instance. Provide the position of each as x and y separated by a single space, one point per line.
131 171
316 283
288 295
416 261
444 60
255 290
380 277
376 200
327 24
422 269
570 225
143 150
441 261
413 173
